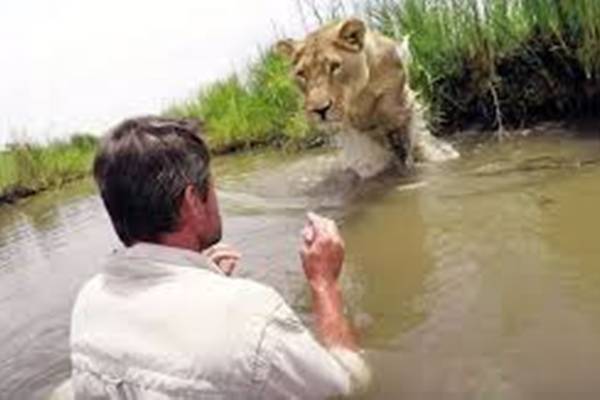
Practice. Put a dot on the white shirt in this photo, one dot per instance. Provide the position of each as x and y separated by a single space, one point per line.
164 323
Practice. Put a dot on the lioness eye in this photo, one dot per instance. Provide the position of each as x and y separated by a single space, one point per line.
301 75
335 66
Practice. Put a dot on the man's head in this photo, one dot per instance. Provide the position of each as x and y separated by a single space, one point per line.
330 67
154 178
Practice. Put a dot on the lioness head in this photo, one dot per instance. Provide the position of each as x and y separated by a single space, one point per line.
330 67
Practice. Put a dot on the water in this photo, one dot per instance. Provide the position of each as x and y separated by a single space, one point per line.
475 279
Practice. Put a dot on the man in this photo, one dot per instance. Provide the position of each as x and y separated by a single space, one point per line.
164 319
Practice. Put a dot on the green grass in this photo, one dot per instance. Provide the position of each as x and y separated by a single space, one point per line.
498 62
493 63
264 108
29 168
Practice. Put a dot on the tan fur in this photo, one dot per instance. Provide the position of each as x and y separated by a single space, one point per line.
356 79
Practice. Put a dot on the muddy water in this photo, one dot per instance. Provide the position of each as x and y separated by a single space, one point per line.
475 279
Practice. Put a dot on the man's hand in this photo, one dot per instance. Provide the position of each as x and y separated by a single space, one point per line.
322 252
223 256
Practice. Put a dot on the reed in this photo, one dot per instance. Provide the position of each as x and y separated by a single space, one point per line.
494 64
499 63
264 108
27 168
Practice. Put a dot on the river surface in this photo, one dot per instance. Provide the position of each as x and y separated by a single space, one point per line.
474 279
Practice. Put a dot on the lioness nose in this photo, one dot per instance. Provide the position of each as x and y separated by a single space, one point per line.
322 111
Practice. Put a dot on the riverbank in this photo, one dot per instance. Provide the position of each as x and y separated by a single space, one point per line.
263 108
500 63
492 65
27 168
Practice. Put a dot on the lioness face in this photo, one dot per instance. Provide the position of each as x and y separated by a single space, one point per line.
330 67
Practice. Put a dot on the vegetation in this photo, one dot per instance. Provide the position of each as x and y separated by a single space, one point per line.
265 108
493 63
499 62
26 169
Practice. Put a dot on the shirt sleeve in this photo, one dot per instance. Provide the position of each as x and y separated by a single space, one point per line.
300 367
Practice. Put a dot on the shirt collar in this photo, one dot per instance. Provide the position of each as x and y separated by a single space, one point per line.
159 254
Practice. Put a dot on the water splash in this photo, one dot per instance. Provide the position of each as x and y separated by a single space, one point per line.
362 154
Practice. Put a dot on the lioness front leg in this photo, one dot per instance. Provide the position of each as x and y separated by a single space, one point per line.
395 116
401 144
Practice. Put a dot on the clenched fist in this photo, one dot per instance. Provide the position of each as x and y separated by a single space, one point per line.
322 252
225 257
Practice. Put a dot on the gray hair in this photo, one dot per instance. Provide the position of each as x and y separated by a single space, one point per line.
142 169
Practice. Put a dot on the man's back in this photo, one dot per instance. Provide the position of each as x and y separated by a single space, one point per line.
161 322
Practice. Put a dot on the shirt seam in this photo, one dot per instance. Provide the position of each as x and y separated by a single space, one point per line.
261 348
107 379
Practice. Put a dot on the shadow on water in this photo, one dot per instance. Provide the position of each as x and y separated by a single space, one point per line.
468 280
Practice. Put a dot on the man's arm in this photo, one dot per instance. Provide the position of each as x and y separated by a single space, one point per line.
322 255
332 327
298 366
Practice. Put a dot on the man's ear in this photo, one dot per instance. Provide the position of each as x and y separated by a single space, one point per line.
351 34
286 48
192 201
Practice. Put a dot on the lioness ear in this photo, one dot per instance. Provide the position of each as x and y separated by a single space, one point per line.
286 48
352 34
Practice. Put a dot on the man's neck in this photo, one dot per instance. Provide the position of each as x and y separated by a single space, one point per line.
181 240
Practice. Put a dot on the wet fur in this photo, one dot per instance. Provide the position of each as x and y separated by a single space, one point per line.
363 76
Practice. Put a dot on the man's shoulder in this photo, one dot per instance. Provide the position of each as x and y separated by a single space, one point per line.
242 292
191 292
253 288
204 289
87 289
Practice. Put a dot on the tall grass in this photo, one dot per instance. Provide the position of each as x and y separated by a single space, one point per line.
493 63
499 61
263 108
27 168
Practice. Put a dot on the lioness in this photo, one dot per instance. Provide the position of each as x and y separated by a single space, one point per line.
355 79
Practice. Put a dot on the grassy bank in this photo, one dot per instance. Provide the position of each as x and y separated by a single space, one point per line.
493 64
263 108
500 63
26 169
